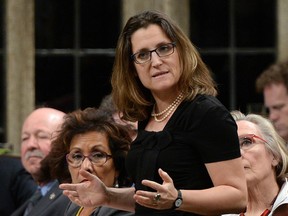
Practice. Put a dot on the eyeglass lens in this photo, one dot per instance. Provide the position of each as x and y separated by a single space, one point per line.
145 56
248 141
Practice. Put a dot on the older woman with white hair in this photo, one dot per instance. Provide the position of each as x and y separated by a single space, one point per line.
265 160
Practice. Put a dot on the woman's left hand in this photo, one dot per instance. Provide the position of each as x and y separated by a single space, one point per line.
162 199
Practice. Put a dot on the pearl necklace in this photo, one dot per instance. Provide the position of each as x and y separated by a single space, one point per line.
168 110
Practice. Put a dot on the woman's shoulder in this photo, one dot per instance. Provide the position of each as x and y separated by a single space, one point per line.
207 100
203 112
205 105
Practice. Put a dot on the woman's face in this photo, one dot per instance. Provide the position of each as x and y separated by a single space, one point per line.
257 161
88 144
160 73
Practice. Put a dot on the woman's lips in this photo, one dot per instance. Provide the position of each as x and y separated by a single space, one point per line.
159 74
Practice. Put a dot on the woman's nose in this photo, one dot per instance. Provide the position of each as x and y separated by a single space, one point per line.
155 59
87 165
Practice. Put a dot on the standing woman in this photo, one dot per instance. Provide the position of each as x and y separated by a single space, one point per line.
186 157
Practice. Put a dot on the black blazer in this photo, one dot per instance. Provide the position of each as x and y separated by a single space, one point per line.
53 203
16 184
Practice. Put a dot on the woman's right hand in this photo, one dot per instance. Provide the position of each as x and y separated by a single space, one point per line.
91 192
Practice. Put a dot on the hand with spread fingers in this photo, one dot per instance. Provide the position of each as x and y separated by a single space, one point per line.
164 196
83 194
93 192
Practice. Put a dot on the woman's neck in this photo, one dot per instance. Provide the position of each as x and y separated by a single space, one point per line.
261 196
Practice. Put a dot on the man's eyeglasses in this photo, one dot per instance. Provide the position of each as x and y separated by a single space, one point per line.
76 158
145 56
248 141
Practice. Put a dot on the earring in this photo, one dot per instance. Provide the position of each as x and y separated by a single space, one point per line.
116 183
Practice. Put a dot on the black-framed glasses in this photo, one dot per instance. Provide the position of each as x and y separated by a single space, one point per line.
76 158
247 141
145 55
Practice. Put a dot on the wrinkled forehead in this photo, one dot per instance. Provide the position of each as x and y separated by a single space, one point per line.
247 127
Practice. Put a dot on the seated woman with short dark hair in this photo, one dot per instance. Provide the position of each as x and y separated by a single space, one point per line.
90 140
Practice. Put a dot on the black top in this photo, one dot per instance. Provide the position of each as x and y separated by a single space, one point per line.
198 132
16 184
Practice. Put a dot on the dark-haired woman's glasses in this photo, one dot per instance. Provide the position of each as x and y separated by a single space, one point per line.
76 158
145 55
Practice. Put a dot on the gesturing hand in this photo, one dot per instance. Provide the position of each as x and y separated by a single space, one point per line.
89 193
163 198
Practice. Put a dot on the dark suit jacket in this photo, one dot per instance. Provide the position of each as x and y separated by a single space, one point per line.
16 184
53 203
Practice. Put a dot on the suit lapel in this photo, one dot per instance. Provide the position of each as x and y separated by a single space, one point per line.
47 200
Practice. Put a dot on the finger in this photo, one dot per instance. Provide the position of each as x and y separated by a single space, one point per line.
147 194
70 193
70 187
87 175
154 185
147 197
146 201
164 175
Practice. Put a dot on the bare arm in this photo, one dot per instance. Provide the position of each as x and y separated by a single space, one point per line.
93 193
229 194
121 198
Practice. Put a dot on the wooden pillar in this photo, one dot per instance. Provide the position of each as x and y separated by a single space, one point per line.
282 16
19 65
178 10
